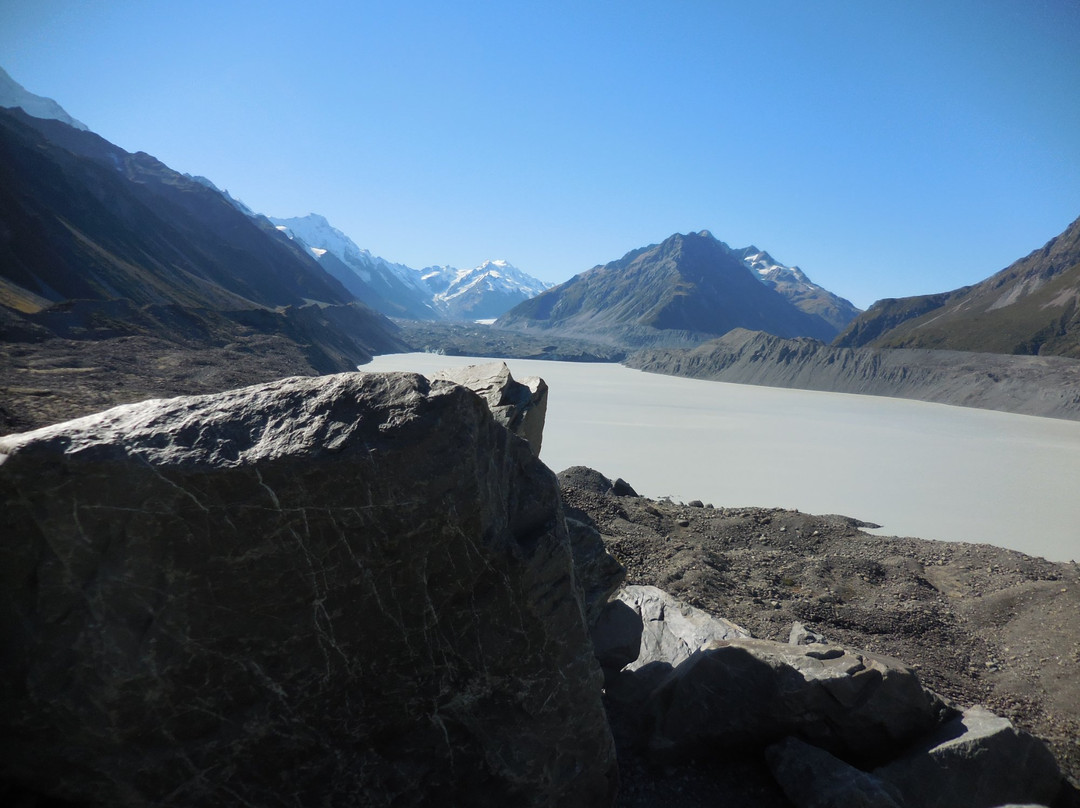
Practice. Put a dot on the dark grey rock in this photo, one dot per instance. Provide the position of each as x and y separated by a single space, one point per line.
616 637
977 760
585 479
343 590
520 406
743 693
591 480
812 778
596 571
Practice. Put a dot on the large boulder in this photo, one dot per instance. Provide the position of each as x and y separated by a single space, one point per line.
344 590
977 760
745 693
520 406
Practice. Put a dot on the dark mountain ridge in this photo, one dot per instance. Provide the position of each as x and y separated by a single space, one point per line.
86 219
686 289
1030 307
118 272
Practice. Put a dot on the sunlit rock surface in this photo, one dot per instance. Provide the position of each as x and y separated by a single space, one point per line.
520 406
344 590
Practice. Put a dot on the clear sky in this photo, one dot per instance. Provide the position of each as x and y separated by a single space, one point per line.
889 148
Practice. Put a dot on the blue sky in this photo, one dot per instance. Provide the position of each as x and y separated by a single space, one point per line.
888 148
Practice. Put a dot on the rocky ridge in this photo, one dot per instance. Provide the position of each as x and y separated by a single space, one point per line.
1044 385
1030 307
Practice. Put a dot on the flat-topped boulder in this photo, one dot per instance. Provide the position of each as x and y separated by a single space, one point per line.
350 589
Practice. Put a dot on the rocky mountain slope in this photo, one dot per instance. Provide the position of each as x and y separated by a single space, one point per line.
98 245
393 289
1031 385
1030 307
682 291
792 283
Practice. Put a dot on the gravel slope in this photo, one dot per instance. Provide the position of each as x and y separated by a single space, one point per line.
982 625
1030 385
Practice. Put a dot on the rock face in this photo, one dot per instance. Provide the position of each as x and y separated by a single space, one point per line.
812 778
671 630
977 760
519 406
746 692
345 590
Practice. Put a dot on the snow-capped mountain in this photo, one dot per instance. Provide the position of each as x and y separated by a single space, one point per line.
793 284
13 94
394 289
433 293
482 292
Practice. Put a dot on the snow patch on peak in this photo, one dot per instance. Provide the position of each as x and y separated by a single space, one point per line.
13 94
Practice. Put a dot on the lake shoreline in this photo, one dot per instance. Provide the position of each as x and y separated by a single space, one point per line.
934 471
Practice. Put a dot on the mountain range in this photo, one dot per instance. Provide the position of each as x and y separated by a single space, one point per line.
689 288
97 243
432 293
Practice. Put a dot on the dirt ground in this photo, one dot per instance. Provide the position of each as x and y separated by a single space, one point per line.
981 625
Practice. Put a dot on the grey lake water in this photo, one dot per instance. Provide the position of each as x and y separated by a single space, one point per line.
917 469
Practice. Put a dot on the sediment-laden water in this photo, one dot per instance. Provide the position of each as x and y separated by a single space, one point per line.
918 469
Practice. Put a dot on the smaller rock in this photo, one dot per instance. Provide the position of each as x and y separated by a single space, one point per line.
597 571
673 630
977 760
621 488
742 693
668 632
812 778
801 635
519 406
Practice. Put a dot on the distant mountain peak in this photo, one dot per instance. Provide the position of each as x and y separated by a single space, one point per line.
689 286
434 292
13 94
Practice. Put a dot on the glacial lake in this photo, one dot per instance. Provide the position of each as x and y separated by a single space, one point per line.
917 469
